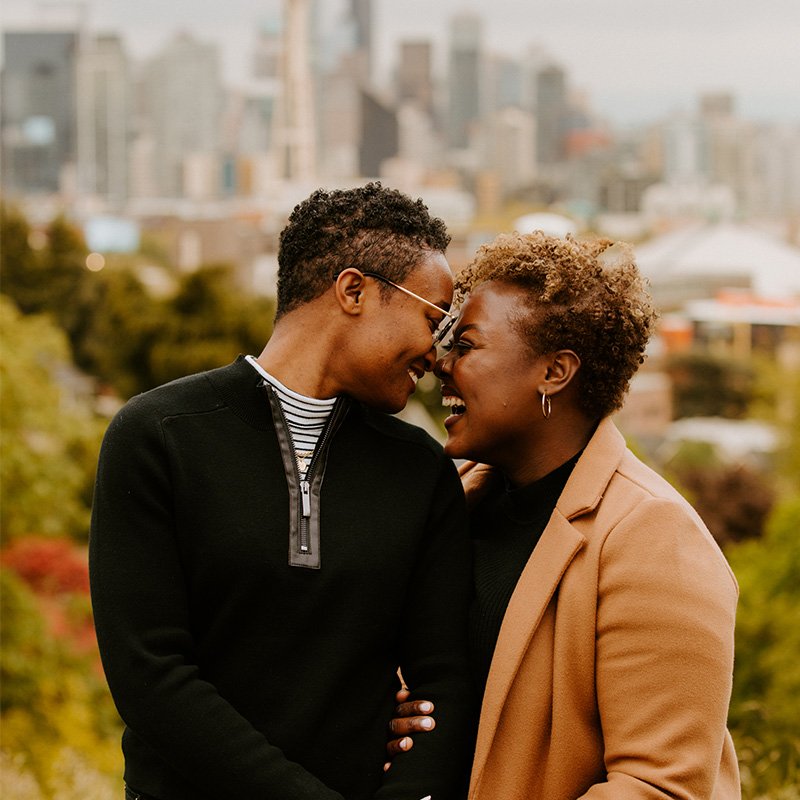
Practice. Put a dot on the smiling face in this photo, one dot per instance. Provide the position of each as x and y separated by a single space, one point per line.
490 380
395 337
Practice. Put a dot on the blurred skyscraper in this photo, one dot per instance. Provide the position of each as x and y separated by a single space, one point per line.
181 105
39 111
104 121
551 111
464 78
414 77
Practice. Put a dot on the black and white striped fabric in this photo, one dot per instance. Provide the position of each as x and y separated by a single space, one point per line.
306 416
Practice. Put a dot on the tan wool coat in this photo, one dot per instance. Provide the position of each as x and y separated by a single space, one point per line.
612 672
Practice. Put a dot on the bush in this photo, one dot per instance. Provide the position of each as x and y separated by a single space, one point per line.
765 707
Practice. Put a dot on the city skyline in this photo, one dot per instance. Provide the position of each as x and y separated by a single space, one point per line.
633 67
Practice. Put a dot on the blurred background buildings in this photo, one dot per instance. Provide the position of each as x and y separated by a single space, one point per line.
165 149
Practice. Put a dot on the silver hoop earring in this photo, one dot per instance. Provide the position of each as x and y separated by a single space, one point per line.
547 406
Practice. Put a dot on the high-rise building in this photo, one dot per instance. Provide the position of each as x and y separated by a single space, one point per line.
503 83
361 20
104 121
414 78
510 147
551 110
379 134
295 130
38 114
182 100
464 107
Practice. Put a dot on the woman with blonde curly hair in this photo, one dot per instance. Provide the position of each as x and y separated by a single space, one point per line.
603 613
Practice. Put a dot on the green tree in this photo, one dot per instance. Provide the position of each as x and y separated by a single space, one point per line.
765 707
19 266
113 325
207 323
60 728
708 386
49 442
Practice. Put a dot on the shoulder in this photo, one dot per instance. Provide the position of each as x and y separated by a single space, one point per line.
398 433
192 394
649 521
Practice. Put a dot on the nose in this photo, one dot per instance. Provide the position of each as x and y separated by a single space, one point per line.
442 366
430 359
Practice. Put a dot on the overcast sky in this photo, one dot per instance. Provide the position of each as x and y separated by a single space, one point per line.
636 59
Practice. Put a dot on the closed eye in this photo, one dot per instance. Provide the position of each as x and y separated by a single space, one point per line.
459 346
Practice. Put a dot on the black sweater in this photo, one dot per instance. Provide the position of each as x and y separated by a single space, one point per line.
239 676
506 527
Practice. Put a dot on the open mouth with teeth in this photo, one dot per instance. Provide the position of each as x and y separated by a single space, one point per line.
414 376
455 404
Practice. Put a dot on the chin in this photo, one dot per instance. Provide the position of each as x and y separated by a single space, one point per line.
454 449
388 406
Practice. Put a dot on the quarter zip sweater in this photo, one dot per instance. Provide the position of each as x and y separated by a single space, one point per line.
239 675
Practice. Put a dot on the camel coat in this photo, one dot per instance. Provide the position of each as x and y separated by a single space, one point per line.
612 672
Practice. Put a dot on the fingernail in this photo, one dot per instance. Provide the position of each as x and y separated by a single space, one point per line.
404 743
426 723
425 707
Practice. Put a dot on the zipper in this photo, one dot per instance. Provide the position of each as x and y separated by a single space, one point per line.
305 517
305 485
303 498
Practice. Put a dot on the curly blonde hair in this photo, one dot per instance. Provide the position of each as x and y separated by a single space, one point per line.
585 296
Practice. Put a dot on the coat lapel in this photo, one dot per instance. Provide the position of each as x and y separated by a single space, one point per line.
539 580
558 545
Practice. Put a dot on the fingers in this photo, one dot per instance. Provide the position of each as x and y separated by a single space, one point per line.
402 695
396 746
402 726
414 709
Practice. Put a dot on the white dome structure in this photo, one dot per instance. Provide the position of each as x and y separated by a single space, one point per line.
698 261
551 224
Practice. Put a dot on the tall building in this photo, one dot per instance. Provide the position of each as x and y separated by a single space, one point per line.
379 135
346 99
361 20
464 107
295 130
104 121
551 111
414 77
38 113
510 135
504 88
182 103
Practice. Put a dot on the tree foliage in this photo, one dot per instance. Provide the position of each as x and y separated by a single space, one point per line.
49 438
704 385
733 500
765 708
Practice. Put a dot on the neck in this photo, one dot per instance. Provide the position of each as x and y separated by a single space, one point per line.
299 355
556 441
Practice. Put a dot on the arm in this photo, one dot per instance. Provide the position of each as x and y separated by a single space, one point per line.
434 661
665 620
144 632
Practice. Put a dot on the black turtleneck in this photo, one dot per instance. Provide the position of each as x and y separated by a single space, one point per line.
505 528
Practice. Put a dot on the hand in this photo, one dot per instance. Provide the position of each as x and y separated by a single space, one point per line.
412 717
478 480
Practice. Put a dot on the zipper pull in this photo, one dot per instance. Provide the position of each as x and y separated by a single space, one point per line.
305 494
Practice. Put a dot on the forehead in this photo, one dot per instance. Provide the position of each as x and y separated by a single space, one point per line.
491 303
432 278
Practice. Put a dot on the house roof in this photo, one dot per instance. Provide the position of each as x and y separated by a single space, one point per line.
722 251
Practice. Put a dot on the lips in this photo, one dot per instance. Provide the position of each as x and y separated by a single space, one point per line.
457 406
415 374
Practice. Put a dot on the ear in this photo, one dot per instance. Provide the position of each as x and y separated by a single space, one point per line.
349 291
560 370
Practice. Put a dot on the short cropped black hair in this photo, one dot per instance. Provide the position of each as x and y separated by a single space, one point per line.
371 228
586 296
